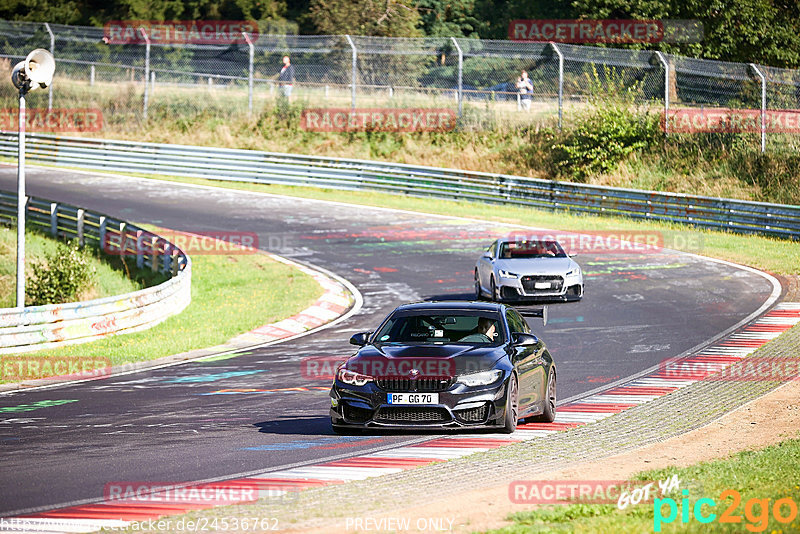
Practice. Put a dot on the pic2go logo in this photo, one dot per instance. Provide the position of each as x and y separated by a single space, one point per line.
756 511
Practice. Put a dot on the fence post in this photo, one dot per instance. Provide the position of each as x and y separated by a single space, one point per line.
560 85
152 81
91 76
79 225
460 76
54 219
760 75
661 59
146 71
52 51
353 73
249 73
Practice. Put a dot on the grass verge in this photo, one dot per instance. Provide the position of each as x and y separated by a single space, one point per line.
111 277
231 294
761 475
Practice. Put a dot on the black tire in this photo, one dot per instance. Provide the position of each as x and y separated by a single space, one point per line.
549 413
478 293
512 406
495 295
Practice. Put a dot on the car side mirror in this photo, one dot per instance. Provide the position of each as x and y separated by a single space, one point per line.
360 339
487 256
522 339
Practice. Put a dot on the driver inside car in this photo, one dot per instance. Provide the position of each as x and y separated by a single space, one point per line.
485 334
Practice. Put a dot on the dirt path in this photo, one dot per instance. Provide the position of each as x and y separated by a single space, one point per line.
765 421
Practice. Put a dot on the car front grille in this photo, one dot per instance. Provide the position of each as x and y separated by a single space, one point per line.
412 415
529 283
473 415
354 414
421 384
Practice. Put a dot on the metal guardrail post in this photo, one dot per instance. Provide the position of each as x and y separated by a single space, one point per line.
146 71
52 51
54 219
79 225
460 77
560 85
251 56
102 233
760 75
663 60
353 70
139 249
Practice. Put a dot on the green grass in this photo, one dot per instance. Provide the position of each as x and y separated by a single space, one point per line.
772 473
778 256
231 294
111 277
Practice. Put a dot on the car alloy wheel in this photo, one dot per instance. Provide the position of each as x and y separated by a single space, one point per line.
512 406
478 292
549 413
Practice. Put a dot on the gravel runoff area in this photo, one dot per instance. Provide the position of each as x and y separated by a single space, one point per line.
679 412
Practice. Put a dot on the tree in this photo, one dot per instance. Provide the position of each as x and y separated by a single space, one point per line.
382 18
448 18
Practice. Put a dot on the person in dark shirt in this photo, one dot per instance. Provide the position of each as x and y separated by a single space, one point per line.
526 91
286 78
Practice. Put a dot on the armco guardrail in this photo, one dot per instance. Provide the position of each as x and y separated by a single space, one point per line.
42 327
289 169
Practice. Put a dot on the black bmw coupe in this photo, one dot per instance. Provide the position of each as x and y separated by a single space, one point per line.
446 365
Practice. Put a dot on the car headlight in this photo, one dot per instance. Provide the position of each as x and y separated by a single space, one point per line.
352 378
483 378
507 274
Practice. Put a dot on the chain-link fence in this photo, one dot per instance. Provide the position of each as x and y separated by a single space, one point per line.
131 83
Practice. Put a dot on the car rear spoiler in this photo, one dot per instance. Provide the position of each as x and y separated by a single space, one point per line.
531 312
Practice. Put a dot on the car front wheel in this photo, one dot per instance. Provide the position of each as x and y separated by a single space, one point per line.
512 407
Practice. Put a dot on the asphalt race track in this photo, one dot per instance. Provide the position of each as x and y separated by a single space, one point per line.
176 424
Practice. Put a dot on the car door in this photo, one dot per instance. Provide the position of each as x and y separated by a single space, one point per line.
531 366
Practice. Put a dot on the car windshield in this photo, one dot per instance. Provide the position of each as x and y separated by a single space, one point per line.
531 249
452 327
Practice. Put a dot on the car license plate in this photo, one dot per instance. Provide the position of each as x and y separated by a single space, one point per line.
413 398
542 285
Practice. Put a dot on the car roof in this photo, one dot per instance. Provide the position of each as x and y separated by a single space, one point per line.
453 305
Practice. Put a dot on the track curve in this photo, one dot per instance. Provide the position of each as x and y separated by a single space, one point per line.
176 423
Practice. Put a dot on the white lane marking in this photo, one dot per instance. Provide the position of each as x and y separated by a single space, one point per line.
441 453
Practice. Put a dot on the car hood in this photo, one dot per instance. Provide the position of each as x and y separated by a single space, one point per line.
526 266
429 360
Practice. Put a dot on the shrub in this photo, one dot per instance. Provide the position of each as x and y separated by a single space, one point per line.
602 138
62 275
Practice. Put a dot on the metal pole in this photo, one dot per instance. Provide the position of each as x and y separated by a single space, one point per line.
353 73
52 51
146 71
460 77
249 75
91 76
152 81
763 106
22 202
560 85
664 64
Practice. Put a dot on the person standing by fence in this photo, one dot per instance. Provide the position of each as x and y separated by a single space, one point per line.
525 91
286 78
